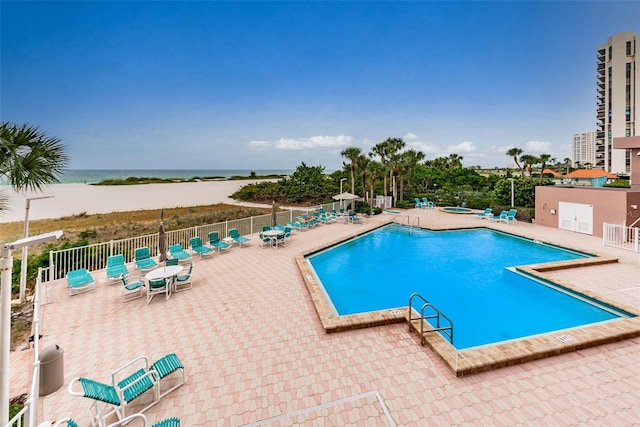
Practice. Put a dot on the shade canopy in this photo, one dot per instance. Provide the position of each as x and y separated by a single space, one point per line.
345 196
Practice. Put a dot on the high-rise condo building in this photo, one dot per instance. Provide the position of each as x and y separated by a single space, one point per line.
584 149
617 101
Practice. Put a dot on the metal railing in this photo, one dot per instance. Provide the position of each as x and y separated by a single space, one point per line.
621 236
28 415
94 257
424 318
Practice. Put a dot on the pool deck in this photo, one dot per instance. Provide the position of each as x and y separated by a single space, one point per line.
256 351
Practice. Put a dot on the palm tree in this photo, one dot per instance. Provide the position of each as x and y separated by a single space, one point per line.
515 152
374 170
381 150
455 161
362 163
528 161
567 162
394 146
412 158
544 158
352 154
29 158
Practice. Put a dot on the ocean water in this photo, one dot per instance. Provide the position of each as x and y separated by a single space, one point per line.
91 176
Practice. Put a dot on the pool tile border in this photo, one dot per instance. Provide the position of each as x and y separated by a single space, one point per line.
489 357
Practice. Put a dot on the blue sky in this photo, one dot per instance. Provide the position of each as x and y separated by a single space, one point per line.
267 85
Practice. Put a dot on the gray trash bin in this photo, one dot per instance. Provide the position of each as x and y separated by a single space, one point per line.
51 369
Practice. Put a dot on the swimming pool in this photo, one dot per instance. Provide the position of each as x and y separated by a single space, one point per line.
464 273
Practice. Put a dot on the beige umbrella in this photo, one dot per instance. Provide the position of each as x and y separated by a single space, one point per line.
345 196
274 214
162 240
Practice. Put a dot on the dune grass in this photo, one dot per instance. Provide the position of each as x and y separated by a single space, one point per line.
117 225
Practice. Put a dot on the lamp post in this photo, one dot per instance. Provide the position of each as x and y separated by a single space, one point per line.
342 200
512 193
23 264
5 312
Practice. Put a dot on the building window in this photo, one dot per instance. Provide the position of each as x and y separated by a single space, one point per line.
627 112
627 132
628 48
610 52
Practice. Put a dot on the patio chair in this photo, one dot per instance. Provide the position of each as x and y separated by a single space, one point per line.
167 422
511 216
142 259
296 225
132 287
116 268
214 240
199 248
128 382
264 240
353 218
183 282
80 281
427 204
486 214
235 235
158 286
166 366
171 261
419 204
502 216
176 251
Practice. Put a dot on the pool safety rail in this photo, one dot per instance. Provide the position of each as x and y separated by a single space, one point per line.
432 313
411 225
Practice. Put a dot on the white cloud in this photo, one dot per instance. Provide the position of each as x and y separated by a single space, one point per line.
421 146
410 136
462 148
259 145
312 142
537 147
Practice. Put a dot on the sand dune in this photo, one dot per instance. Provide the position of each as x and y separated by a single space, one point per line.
73 199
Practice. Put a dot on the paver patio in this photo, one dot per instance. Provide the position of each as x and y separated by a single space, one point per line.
256 353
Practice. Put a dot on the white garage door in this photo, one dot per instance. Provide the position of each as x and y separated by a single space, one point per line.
575 217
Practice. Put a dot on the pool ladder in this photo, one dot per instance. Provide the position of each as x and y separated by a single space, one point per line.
415 223
433 313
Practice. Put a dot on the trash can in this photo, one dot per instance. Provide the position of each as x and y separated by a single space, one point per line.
51 369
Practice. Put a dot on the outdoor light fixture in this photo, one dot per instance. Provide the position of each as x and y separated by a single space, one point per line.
23 264
5 312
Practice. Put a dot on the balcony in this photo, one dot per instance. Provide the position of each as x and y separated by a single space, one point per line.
600 135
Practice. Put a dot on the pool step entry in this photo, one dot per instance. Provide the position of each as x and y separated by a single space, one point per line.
420 321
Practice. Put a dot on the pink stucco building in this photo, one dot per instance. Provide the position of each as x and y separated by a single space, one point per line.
585 209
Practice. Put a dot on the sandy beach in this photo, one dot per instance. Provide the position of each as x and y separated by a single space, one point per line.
74 199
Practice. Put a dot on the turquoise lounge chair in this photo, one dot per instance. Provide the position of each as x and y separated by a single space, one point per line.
354 219
127 384
143 260
502 216
419 204
116 267
80 281
214 240
167 422
488 213
511 216
427 204
176 251
199 248
235 235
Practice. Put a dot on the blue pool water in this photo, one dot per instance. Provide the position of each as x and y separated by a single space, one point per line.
464 273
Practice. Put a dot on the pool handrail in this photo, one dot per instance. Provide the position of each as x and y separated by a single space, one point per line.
446 330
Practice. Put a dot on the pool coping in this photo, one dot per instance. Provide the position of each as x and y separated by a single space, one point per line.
493 356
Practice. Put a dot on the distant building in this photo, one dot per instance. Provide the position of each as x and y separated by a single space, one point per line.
617 112
584 148
588 178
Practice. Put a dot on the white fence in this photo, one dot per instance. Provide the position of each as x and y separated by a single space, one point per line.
94 257
621 236
28 415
